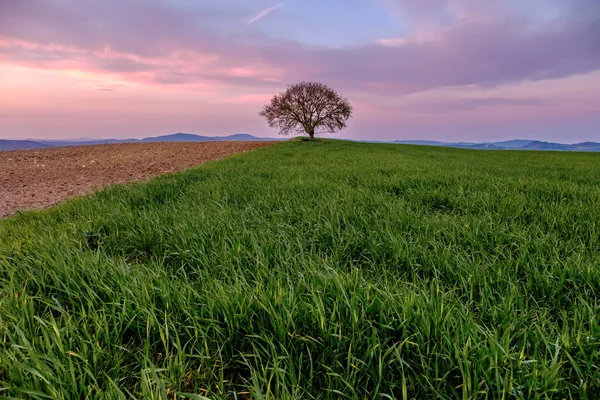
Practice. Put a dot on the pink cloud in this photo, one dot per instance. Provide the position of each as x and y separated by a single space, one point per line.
251 99
151 39
176 67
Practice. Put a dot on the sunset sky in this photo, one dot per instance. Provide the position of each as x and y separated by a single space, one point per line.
451 70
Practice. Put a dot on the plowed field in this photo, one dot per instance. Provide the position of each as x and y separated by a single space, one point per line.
40 178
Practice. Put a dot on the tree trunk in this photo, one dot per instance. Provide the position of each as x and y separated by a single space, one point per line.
311 134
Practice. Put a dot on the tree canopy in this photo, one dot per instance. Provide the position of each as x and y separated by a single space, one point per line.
307 107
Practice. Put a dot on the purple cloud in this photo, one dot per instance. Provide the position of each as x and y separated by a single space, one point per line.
473 44
457 105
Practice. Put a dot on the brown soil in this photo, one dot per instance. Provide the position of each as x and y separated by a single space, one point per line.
40 178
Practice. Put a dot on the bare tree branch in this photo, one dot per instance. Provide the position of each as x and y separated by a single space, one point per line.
307 107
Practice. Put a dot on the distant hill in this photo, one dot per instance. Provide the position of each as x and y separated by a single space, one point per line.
176 137
189 137
64 143
586 146
537 145
510 145
21 145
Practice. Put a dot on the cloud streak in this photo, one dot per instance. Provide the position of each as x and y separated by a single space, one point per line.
263 13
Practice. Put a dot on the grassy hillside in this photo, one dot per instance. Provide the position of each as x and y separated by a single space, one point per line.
313 270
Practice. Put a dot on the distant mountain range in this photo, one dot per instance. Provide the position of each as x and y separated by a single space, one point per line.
188 137
177 137
21 144
510 145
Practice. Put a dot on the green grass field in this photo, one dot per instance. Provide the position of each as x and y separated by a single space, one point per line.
313 271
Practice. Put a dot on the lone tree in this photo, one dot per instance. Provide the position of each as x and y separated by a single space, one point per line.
310 107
